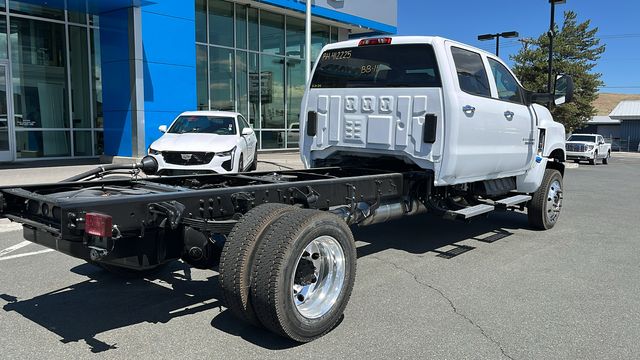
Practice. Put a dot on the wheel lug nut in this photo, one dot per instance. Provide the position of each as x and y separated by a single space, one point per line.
314 279
305 254
315 256
301 298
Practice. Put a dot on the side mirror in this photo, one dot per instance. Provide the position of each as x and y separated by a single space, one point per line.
247 131
162 128
563 92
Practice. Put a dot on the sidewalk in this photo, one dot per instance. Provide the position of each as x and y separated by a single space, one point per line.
40 173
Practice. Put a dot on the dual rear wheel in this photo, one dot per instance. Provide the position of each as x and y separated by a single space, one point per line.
288 269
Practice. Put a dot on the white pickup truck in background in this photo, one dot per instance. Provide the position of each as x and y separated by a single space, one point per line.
590 147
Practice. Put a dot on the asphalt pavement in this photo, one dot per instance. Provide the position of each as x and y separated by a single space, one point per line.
425 288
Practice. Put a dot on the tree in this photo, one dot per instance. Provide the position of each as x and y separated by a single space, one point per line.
576 50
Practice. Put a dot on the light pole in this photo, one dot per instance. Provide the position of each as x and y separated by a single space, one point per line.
508 34
551 34
307 43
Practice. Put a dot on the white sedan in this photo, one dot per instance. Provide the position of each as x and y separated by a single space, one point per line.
206 142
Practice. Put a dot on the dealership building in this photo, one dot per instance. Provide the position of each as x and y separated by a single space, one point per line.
85 78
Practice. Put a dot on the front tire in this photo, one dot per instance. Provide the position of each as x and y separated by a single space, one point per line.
595 158
544 209
605 161
303 274
241 164
254 164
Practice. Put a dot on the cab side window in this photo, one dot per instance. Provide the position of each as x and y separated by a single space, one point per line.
508 88
472 75
243 123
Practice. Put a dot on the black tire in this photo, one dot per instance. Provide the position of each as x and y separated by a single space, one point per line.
127 273
237 258
277 265
605 161
539 206
241 164
594 160
254 164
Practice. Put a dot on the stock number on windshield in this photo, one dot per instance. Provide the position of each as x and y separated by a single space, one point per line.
337 55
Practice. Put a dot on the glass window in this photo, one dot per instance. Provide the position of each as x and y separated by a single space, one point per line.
295 90
39 74
272 33
82 143
204 125
272 140
254 90
77 10
202 77
221 22
80 102
222 88
378 66
254 37
334 34
295 37
96 82
242 84
472 75
241 26
3 38
272 91
53 9
508 88
319 38
201 21
35 144
99 143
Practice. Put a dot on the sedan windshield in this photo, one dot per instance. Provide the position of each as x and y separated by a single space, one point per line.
204 125
585 138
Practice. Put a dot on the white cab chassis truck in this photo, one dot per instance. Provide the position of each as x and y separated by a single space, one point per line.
389 127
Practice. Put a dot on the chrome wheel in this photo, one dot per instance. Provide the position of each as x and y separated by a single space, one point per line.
554 201
319 277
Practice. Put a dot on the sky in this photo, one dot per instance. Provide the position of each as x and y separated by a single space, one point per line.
618 22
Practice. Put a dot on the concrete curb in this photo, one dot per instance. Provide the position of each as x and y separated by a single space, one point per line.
571 165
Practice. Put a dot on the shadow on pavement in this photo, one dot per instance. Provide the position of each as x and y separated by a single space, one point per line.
104 302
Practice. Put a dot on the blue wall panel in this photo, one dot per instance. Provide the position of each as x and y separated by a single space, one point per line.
169 42
116 85
117 133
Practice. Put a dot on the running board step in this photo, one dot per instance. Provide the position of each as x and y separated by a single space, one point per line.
511 201
467 213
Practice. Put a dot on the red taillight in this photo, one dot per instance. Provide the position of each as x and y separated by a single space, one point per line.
98 225
375 41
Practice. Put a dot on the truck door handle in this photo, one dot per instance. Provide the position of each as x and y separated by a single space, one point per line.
509 115
468 109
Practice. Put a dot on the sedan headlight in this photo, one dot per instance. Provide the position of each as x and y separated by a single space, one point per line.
153 152
226 153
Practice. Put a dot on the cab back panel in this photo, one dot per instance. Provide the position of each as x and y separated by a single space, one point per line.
386 121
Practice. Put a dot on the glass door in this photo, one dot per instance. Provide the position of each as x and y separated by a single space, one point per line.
5 133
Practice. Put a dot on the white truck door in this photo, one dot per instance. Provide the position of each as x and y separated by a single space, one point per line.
475 120
518 121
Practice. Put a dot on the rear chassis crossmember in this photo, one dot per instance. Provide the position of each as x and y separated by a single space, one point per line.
152 217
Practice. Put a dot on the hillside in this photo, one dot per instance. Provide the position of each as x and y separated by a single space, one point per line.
606 102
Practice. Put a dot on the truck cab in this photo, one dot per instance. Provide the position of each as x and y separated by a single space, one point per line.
428 103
